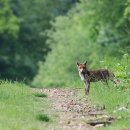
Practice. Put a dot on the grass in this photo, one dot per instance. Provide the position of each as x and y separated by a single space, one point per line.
19 108
116 101
40 94
43 117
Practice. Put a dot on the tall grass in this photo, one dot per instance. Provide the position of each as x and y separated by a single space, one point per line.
116 102
19 108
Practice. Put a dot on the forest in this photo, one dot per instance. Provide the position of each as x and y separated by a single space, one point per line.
34 36
42 40
23 26
96 31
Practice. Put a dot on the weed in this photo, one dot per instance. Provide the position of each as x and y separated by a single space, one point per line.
40 94
43 117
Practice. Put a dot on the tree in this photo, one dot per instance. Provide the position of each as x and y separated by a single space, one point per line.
90 31
8 21
9 28
28 20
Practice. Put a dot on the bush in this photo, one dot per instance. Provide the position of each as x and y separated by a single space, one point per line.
84 34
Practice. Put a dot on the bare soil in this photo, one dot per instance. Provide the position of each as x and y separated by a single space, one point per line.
75 113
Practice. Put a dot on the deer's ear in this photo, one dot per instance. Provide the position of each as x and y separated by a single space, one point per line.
85 62
77 63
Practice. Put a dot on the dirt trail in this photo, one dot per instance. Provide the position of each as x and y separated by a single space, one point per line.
74 113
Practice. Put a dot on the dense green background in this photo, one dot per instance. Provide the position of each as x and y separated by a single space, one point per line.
94 30
23 27
41 40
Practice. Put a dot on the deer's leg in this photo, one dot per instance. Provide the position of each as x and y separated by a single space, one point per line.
87 87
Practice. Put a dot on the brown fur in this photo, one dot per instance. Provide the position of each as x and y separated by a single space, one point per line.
94 75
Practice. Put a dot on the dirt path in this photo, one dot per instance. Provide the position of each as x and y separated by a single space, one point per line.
74 113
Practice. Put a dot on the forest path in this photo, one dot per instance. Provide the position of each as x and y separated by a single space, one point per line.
75 113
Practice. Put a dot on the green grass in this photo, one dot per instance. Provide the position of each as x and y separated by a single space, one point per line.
114 100
43 117
20 108
40 94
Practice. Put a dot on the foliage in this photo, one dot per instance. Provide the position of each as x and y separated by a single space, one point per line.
22 34
127 10
8 21
91 31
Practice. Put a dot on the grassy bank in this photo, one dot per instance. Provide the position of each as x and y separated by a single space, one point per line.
116 102
20 109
